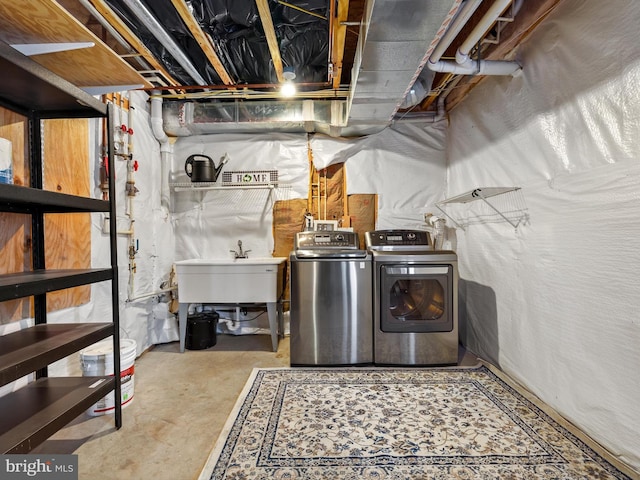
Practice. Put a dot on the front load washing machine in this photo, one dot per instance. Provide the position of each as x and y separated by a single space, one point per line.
415 299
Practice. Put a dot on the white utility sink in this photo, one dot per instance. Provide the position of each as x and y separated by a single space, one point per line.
235 281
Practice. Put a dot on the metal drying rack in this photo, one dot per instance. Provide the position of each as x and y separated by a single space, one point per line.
481 194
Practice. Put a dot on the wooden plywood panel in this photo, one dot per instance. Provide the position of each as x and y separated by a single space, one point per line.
67 236
288 219
15 257
363 210
15 230
45 21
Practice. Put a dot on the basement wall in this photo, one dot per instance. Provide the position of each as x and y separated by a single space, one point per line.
147 319
405 166
555 302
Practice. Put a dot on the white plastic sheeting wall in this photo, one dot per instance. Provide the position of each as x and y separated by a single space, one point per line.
209 223
556 301
145 320
405 165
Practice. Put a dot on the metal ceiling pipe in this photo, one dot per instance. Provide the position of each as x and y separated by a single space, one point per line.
158 31
424 117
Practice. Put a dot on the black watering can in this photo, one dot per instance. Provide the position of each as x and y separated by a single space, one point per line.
201 168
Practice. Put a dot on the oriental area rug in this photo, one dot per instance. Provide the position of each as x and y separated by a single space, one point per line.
396 423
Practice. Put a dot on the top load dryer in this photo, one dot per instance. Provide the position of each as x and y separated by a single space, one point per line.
331 302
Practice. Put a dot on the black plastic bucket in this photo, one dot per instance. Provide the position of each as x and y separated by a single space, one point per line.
201 330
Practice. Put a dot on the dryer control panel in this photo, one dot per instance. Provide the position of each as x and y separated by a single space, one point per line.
397 240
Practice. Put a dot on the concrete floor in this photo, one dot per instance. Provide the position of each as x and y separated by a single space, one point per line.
181 402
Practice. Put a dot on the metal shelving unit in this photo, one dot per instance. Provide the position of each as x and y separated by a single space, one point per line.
47 404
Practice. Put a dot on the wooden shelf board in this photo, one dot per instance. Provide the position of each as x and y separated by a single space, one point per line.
24 284
33 348
46 21
16 198
43 407
27 86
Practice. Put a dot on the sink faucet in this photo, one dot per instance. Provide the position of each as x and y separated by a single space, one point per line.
240 253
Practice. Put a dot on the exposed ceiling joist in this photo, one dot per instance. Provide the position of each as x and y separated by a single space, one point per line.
272 40
203 40
339 35
46 22
106 11
245 42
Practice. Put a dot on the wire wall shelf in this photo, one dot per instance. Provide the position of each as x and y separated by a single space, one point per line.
241 198
191 186
507 205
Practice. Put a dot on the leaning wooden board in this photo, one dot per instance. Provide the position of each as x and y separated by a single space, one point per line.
45 21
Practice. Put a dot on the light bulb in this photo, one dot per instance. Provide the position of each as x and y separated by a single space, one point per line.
288 89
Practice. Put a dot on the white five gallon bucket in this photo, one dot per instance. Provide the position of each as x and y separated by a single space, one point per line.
97 360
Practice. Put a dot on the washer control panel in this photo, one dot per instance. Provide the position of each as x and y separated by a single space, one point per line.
326 240
397 239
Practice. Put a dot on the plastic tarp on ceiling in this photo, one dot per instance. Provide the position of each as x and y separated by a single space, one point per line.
239 40
555 302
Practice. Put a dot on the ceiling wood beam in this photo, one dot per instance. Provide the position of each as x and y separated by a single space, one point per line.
339 35
106 11
203 40
47 23
270 33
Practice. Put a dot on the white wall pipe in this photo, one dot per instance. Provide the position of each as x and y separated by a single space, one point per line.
465 65
473 67
131 192
152 294
460 20
165 146
156 119
479 31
